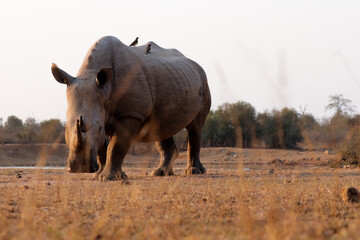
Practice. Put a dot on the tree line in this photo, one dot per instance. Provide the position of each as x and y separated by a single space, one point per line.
239 125
14 130
230 125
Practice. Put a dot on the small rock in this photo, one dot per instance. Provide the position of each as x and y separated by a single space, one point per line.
277 161
329 152
125 182
48 183
231 154
247 169
98 237
271 171
350 194
18 175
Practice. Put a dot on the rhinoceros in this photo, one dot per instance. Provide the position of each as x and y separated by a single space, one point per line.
121 95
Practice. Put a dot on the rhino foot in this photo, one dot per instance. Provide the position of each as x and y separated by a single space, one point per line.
97 173
195 170
112 176
162 172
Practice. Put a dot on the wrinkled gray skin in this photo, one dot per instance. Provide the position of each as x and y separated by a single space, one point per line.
122 93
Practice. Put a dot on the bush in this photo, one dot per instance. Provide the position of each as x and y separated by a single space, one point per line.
218 130
336 129
243 117
349 149
13 123
51 131
280 129
13 128
231 125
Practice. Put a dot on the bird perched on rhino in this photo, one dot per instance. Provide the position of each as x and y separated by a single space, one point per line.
135 42
148 48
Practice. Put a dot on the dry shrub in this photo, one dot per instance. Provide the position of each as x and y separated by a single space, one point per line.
349 149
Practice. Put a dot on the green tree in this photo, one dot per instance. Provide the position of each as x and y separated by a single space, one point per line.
225 136
340 104
13 124
14 127
291 129
267 129
51 130
337 128
230 125
308 121
30 130
243 118
280 129
218 130
210 131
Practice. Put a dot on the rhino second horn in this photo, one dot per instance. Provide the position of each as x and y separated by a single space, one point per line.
82 125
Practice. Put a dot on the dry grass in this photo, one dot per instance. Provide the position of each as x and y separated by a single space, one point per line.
215 206
297 203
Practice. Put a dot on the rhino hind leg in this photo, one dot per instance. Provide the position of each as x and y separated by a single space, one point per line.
194 166
168 153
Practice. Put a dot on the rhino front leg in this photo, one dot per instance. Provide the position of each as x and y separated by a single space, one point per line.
101 158
168 153
118 146
115 154
194 166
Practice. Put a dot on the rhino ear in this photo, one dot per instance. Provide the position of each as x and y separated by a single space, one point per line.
104 76
61 76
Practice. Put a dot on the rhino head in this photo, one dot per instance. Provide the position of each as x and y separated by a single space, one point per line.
87 98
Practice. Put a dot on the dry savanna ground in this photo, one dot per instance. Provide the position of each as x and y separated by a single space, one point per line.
246 194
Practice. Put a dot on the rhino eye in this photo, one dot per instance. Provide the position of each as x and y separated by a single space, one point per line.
100 129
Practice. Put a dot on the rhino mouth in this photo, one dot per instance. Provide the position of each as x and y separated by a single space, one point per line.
82 164
82 168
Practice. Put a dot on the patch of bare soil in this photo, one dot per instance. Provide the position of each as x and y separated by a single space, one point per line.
212 158
31 154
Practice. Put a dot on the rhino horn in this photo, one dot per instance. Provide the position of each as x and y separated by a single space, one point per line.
80 138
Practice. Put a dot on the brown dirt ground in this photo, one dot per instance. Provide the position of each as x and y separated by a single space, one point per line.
246 194
212 158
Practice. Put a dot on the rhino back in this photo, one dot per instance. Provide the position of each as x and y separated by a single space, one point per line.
178 87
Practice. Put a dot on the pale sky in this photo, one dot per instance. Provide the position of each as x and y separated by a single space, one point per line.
270 53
